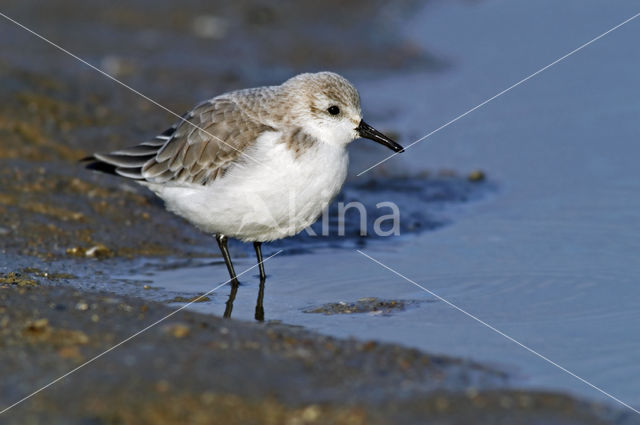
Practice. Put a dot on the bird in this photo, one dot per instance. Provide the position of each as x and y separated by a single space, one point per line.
256 164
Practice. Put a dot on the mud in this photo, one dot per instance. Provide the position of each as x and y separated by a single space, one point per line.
364 305
196 368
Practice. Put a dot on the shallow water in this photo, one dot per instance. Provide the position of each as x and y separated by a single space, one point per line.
550 258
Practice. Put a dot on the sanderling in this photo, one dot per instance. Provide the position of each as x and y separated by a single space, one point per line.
257 164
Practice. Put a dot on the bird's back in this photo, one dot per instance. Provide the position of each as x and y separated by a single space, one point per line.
201 146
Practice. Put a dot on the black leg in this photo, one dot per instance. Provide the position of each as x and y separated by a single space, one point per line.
259 308
263 277
258 248
222 243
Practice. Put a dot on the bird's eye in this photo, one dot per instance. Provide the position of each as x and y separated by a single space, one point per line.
333 110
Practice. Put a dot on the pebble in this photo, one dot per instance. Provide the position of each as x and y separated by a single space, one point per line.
210 26
82 306
38 325
177 330
476 176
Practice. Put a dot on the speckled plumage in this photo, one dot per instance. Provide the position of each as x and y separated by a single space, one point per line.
219 130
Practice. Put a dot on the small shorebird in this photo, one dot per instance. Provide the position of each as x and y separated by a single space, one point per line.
257 164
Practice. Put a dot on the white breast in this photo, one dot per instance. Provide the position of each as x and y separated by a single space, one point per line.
275 198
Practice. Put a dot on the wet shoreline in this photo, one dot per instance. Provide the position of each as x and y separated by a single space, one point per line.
196 367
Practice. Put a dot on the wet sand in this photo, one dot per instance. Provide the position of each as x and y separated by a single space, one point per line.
194 368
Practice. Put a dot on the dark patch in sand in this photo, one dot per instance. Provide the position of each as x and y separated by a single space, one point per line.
363 305
194 299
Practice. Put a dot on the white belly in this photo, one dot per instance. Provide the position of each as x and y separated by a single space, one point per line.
273 199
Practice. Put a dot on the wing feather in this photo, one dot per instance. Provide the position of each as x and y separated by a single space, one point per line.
196 152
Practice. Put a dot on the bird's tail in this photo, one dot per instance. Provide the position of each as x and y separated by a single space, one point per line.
129 162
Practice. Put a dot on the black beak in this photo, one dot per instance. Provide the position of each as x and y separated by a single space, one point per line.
367 132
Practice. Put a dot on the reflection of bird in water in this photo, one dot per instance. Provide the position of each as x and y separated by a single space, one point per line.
257 164
259 312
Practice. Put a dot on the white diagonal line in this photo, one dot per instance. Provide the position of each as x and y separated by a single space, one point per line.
499 332
131 337
505 91
180 117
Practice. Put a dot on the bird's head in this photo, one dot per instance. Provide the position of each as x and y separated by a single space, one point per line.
327 106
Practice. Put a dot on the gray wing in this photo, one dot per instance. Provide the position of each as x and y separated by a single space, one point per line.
198 151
